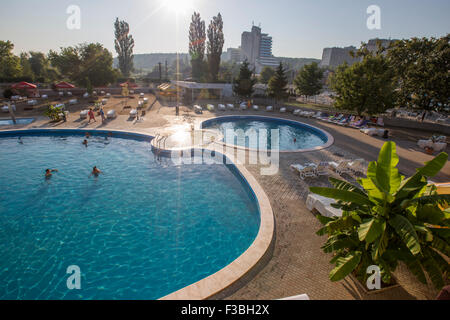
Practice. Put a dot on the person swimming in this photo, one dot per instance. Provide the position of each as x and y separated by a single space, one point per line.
85 142
20 140
48 172
95 172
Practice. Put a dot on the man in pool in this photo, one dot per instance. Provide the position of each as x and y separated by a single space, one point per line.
85 142
95 172
48 172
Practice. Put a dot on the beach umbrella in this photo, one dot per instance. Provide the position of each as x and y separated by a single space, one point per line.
24 85
64 85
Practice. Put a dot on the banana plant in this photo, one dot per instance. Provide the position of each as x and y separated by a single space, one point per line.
389 219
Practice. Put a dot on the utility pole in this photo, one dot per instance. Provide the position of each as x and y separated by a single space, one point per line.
167 72
160 71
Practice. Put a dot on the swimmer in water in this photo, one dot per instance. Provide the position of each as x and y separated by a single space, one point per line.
48 172
95 172
85 142
295 139
87 135
20 140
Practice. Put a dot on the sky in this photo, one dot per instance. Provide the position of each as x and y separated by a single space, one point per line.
300 28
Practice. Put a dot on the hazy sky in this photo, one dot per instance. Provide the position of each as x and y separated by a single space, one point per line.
300 28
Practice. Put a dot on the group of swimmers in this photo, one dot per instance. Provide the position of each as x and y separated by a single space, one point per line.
49 172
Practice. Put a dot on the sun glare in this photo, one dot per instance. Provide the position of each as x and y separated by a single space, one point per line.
179 6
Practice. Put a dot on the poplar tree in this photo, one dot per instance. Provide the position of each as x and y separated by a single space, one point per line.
215 46
124 44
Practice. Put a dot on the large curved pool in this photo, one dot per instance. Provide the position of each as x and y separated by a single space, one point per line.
293 135
143 229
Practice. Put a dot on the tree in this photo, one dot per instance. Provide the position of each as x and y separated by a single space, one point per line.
366 86
91 61
197 38
391 219
215 46
124 44
421 67
39 65
277 87
243 84
266 74
9 63
309 80
26 66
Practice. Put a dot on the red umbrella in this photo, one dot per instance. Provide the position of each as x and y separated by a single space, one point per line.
64 85
130 84
23 85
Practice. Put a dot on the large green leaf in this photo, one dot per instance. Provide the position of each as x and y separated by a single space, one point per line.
416 269
430 213
433 270
344 185
345 265
371 229
348 196
406 231
441 245
380 245
387 175
433 167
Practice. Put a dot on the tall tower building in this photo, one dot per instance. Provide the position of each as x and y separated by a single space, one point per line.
256 47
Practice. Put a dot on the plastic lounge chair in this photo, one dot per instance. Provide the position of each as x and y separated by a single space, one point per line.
84 114
210 107
198 109
133 113
243 106
222 107
283 110
108 95
86 95
230 106
298 297
380 122
356 165
269 108
318 114
322 169
439 146
322 205
308 170
69 93
104 101
111 114
255 107
341 166
73 101
425 144
141 95
296 112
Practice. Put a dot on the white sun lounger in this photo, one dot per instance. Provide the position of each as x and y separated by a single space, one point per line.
141 95
356 165
296 112
230 106
299 297
5 109
111 114
73 101
283 110
322 205
269 108
104 101
243 106
86 95
341 166
198 109
425 143
210 107
323 169
255 107
133 113
84 114
222 107
305 171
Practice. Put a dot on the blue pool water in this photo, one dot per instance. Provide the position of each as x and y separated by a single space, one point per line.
9 122
292 135
141 230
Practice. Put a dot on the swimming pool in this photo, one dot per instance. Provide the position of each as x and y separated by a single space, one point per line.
9 122
293 135
143 229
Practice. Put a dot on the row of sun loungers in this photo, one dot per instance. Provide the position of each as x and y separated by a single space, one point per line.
323 168
438 144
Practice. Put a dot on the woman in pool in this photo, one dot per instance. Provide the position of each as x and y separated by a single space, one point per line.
48 173
95 172
85 142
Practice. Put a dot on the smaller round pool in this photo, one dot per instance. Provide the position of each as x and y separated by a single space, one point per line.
293 135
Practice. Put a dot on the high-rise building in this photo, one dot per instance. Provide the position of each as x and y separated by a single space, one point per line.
334 57
256 48
232 55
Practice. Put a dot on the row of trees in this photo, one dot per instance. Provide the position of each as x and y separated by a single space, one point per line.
308 81
410 73
206 70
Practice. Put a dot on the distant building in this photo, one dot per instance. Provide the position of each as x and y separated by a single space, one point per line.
232 55
256 48
334 57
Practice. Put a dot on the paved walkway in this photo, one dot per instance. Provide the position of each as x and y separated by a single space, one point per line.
298 265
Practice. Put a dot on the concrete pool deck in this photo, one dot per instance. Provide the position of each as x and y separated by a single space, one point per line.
297 265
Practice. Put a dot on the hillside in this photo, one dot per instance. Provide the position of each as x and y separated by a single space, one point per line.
147 61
